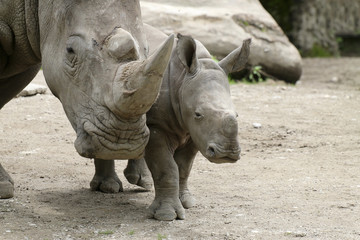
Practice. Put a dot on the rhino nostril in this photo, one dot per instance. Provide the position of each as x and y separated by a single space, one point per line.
210 151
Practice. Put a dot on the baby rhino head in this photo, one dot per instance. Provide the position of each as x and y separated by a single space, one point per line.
205 103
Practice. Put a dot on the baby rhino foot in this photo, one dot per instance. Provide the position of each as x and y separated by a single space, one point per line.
187 200
137 173
167 209
6 184
108 184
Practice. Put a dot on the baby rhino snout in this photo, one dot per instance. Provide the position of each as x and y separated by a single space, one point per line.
223 153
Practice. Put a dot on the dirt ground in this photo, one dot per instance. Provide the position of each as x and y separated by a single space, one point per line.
299 175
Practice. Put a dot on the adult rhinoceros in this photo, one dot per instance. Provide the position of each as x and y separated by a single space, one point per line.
93 53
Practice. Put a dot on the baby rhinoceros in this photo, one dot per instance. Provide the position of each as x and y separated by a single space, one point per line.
193 112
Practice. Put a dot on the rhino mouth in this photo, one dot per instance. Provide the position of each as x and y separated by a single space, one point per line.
222 160
120 139
222 154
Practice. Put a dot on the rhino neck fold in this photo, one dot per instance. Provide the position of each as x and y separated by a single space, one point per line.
175 86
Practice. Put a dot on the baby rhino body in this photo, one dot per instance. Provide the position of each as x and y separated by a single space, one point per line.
193 112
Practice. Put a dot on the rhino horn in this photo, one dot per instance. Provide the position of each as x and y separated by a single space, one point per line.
237 59
141 81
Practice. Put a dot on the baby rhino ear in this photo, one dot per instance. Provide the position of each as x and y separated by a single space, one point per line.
237 59
186 50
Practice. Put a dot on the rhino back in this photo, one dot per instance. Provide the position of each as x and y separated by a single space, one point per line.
19 36
154 37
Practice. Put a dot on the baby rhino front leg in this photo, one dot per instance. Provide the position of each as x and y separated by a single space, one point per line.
166 205
184 158
105 178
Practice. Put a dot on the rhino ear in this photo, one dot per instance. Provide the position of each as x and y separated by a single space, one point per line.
237 59
186 50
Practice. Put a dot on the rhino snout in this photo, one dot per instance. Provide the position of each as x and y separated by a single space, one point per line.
218 154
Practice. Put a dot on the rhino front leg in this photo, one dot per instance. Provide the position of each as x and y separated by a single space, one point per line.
166 205
136 172
9 87
105 178
184 158
6 184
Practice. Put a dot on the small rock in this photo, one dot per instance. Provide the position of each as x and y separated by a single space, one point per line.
334 79
290 131
32 89
257 125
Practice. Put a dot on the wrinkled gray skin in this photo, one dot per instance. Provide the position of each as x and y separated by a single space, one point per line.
94 57
194 112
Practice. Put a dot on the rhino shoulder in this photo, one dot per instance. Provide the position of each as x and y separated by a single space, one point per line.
154 37
19 36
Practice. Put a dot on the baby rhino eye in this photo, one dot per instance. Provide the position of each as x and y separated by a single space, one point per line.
198 115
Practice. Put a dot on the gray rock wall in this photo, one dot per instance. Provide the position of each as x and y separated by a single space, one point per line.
321 21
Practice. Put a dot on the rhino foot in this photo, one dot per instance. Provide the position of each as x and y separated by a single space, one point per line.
137 173
6 184
167 209
187 200
109 184
6 189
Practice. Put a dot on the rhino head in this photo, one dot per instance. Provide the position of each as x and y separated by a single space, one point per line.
94 58
205 105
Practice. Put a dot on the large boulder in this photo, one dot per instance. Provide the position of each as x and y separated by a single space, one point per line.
222 26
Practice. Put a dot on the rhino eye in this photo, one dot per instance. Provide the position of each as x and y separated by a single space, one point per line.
74 44
198 116
70 50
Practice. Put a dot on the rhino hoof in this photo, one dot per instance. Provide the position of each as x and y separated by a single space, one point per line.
6 189
167 210
106 185
141 181
187 200
163 215
138 174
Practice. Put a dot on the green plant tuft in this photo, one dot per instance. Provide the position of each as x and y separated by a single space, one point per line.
231 80
161 237
245 23
254 75
106 232
214 58
318 51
